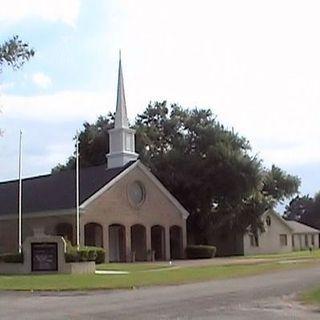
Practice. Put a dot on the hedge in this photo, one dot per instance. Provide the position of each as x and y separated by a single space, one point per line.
200 252
85 254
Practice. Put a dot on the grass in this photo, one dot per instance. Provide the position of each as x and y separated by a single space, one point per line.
132 267
140 275
311 297
305 254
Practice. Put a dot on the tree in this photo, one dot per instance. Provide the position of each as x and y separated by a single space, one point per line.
208 168
204 165
298 208
14 53
304 209
93 144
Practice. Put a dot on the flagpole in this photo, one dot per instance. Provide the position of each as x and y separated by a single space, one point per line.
20 193
77 191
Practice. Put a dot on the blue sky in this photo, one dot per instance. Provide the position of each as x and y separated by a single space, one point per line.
254 63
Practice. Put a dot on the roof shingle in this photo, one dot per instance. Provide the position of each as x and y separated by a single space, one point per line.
55 191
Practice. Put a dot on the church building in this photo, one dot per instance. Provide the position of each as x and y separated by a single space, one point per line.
124 208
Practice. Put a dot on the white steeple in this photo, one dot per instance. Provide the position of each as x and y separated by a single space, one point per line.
121 138
121 120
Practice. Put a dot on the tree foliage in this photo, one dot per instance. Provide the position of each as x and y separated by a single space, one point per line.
304 209
93 144
207 167
14 53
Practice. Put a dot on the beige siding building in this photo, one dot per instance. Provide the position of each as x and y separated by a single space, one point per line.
275 239
280 236
303 237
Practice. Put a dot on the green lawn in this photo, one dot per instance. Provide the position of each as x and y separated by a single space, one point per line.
312 297
132 267
305 254
140 275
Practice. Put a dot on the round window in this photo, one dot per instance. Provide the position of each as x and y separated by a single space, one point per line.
136 193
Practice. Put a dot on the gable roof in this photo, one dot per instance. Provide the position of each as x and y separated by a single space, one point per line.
55 191
278 217
298 227
151 176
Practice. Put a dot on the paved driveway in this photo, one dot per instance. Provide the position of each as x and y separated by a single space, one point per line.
263 297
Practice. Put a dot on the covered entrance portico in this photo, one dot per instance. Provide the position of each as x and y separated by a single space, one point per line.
137 242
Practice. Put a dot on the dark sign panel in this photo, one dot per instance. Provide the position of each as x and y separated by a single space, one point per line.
44 256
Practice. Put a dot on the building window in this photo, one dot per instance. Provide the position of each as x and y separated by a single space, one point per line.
136 193
283 240
254 241
268 221
312 240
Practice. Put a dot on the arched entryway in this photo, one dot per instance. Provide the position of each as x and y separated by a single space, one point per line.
93 235
176 246
117 243
138 242
158 243
65 230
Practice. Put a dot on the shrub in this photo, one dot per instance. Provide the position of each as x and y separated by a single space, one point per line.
72 256
200 252
85 254
12 258
100 255
92 255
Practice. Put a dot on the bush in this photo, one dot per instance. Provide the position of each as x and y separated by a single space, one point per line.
12 258
200 252
85 254
72 256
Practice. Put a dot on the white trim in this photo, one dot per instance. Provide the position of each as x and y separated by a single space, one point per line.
162 188
40 214
107 186
284 222
145 170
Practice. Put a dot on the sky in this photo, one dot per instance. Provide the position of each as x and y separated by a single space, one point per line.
254 63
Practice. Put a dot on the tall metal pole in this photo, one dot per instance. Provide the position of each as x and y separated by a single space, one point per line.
20 193
77 192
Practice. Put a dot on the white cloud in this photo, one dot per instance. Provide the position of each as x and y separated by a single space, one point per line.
41 80
66 11
58 107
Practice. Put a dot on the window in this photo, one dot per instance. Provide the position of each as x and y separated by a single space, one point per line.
268 221
254 241
136 193
312 240
306 240
283 240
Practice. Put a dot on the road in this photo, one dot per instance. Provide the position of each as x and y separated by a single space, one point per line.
264 297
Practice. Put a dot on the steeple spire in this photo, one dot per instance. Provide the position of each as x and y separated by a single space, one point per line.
121 143
121 119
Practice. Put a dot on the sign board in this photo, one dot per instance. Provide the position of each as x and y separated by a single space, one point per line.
44 256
